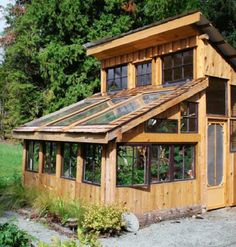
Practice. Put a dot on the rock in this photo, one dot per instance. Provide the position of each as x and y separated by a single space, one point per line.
72 223
131 222
199 216
194 216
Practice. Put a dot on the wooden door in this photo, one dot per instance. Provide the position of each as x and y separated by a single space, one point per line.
216 165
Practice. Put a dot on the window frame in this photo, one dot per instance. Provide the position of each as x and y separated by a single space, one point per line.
189 117
52 143
63 160
143 74
183 79
149 158
113 79
84 154
231 103
28 157
147 173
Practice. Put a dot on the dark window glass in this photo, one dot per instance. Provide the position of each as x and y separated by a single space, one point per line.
233 101
155 125
92 154
69 160
143 74
49 161
189 117
233 135
32 153
132 165
172 162
178 67
216 96
117 78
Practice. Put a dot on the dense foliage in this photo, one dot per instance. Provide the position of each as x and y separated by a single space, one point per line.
11 235
45 66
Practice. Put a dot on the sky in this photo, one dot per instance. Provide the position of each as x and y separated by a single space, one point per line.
2 21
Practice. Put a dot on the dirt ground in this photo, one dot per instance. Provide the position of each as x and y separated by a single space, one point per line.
217 228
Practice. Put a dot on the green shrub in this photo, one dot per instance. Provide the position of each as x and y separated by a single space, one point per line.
105 219
11 236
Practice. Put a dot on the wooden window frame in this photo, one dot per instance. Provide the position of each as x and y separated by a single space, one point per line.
231 103
121 77
52 143
28 156
63 160
183 79
143 74
189 117
148 165
85 156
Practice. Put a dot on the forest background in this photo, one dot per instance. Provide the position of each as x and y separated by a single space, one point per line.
45 66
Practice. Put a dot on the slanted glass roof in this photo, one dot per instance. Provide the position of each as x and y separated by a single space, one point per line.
63 112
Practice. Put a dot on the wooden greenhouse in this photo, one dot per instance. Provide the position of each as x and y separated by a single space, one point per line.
161 134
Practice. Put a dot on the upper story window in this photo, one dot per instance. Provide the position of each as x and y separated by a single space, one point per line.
144 74
233 101
157 125
117 78
178 67
216 96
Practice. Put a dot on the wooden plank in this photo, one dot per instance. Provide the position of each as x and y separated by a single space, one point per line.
59 160
24 160
103 81
103 174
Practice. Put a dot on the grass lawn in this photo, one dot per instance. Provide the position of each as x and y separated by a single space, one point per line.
10 159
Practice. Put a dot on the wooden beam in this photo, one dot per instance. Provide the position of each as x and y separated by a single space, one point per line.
59 160
24 157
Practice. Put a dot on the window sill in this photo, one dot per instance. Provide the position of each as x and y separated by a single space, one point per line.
91 183
68 178
32 171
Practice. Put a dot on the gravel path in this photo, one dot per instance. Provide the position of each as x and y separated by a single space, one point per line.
217 229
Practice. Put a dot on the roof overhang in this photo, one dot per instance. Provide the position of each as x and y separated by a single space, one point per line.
170 29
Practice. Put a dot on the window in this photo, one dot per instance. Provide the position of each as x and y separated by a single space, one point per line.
178 67
189 117
49 161
144 74
69 160
233 101
216 96
92 163
172 162
117 78
32 153
138 165
233 135
132 165
155 125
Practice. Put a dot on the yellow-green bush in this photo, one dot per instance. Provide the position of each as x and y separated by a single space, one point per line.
103 219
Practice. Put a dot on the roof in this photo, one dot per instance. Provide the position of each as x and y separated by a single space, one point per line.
109 116
158 32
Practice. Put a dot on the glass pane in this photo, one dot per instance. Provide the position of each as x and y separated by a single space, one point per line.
219 154
118 72
215 96
140 163
123 83
211 155
192 124
81 115
66 160
30 153
178 73
177 58
168 75
50 157
124 71
188 72
233 100
124 165
36 156
155 125
178 162
110 74
63 112
188 57
233 135
188 160
167 62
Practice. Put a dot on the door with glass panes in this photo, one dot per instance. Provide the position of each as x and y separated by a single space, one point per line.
216 166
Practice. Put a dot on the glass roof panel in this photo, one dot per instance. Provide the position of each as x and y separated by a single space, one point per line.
81 115
63 112
122 110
